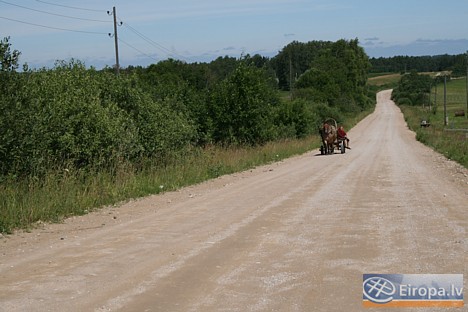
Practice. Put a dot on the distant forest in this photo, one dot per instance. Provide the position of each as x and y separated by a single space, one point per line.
295 58
454 63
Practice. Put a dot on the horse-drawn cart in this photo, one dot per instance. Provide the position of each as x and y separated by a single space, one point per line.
330 139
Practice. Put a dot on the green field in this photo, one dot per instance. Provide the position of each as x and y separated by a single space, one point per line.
456 101
383 79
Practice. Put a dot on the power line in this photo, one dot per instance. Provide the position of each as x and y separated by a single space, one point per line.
132 29
55 14
152 42
56 28
70 7
130 46
147 39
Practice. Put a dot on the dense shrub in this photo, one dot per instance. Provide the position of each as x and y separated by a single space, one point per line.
163 126
413 89
73 117
241 107
296 119
338 77
404 101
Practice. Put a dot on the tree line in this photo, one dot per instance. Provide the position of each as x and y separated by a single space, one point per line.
74 117
404 64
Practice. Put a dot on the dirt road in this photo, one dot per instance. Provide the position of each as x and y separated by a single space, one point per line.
291 236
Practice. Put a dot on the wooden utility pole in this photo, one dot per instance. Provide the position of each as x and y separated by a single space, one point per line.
445 100
117 65
290 78
466 108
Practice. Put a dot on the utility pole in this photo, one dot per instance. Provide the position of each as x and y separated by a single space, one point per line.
290 78
429 97
117 66
445 100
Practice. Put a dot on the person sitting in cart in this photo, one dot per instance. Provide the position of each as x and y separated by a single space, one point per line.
342 135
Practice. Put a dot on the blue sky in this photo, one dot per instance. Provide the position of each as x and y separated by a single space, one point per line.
201 30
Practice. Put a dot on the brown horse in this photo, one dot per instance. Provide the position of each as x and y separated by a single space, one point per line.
328 133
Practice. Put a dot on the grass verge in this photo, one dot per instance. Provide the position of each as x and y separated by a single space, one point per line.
63 193
450 140
452 144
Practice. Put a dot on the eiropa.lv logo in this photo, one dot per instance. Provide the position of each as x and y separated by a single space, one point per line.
412 290
378 289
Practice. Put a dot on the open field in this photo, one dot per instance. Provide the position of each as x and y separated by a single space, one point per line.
456 101
383 79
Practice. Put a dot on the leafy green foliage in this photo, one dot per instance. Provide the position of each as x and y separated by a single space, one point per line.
337 77
241 107
296 119
413 89
79 118
73 117
402 64
8 58
294 60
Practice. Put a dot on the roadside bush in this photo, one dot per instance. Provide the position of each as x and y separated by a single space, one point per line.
323 112
296 119
163 127
413 87
405 101
57 120
241 107
73 117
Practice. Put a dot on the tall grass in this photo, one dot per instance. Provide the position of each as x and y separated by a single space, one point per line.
62 193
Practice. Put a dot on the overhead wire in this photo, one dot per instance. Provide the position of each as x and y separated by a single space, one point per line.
129 27
56 28
152 42
70 7
130 46
55 14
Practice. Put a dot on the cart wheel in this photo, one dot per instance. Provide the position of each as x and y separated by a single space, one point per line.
322 150
343 149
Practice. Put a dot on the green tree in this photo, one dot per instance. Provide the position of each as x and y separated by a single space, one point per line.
296 119
8 58
77 118
295 59
241 107
412 89
338 76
